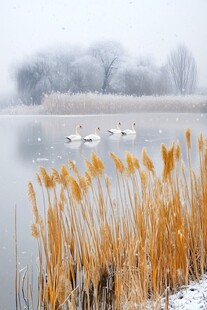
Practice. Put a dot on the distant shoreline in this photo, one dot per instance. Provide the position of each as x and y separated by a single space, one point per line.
92 104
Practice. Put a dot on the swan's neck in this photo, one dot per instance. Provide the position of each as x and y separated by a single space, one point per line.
76 130
133 127
118 126
96 131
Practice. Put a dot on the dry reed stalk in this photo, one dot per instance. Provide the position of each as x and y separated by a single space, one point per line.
150 237
16 259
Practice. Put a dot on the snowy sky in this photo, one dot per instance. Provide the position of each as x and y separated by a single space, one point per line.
144 27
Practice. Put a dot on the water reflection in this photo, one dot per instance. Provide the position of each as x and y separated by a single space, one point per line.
92 144
73 145
129 137
115 137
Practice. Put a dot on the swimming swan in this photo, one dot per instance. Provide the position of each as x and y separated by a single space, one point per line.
93 137
117 130
129 131
76 136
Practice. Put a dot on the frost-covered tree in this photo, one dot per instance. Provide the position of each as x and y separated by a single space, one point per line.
61 71
140 77
183 70
103 67
33 80
108 55
85 75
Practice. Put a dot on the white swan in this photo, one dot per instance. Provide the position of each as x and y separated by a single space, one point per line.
129 131
93 137
117 130
76 136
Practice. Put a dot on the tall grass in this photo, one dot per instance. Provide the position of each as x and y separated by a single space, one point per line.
92 103
122 246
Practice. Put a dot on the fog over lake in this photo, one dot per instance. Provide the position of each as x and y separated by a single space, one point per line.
145 28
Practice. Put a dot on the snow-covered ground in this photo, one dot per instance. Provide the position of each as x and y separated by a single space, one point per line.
191 297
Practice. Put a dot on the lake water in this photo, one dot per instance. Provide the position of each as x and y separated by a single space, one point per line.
33 141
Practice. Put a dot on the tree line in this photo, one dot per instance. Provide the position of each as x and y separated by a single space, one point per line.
105 67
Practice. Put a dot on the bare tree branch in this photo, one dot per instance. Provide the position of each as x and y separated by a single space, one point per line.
107 53
183 70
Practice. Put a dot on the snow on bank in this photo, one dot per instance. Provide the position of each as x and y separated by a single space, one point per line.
191 297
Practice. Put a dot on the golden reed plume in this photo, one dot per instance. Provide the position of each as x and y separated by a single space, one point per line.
188 138
120 243
147 162
118 163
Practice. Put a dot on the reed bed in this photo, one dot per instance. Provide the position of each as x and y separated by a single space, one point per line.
94 103
123 243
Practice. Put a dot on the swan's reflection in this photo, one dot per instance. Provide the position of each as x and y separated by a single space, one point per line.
73 145
115 137
129 137
91 144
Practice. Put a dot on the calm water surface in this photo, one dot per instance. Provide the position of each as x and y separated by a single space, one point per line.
30 142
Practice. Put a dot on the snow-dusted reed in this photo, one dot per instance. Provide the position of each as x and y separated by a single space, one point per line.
97 103
91 103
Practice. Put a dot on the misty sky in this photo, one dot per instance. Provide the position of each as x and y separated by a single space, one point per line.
144 27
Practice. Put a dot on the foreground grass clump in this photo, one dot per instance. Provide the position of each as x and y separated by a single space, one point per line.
121 246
